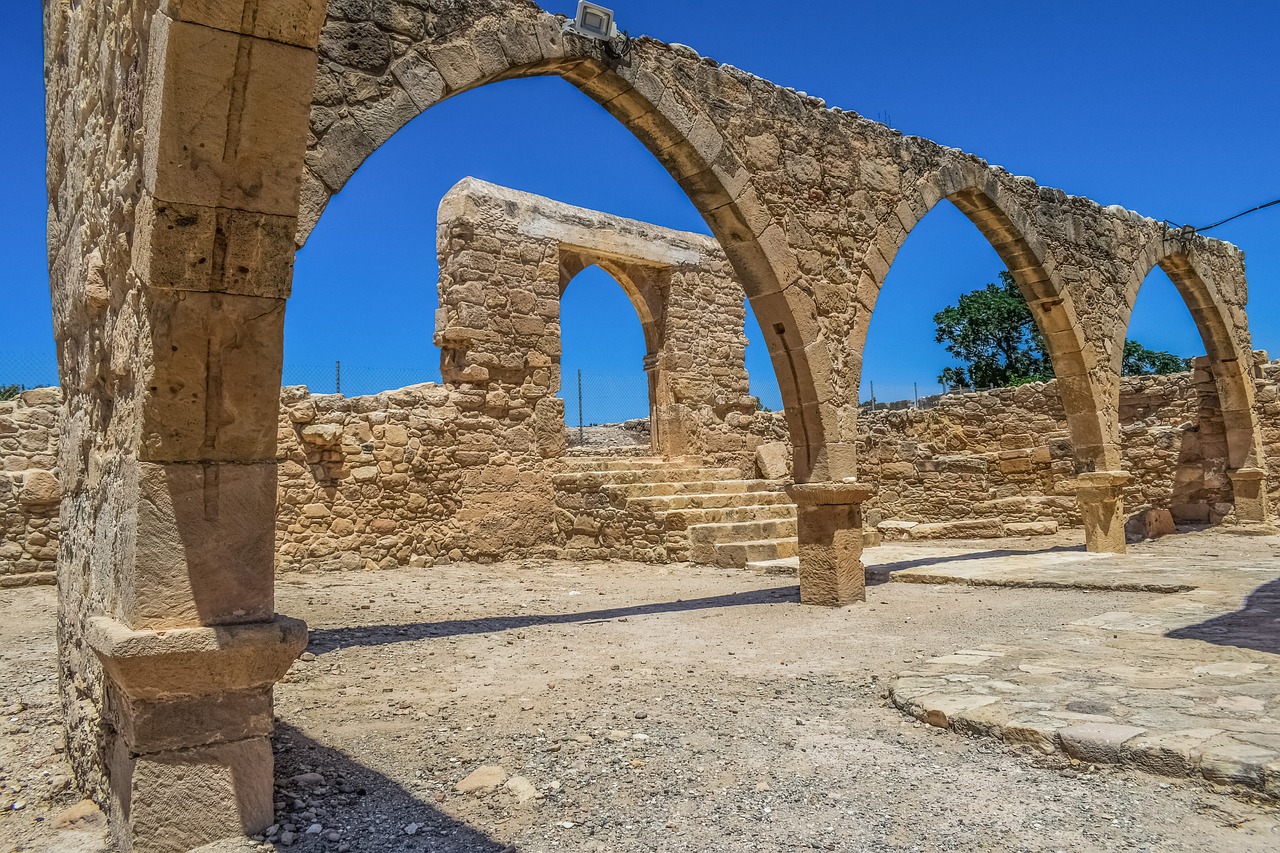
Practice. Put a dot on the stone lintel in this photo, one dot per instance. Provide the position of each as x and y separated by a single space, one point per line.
195 662
829 494
1246 475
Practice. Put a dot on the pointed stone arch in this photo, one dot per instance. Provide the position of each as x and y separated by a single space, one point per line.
1212 292
655 96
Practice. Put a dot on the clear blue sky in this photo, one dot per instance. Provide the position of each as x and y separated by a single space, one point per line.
1170 108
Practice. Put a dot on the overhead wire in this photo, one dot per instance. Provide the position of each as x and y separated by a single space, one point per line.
1237 216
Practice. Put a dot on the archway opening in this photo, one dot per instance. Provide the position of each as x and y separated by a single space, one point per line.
365 282
1172 428
961 431
605 345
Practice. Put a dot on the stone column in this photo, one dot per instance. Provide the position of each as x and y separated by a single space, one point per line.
191 758
657 429
1100 495
1249 486
829 522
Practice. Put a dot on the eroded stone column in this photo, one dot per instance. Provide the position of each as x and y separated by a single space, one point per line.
1249 486
1101 498
829 526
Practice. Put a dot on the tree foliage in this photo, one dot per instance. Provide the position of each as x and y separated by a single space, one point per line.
1140 361
8 392
992 333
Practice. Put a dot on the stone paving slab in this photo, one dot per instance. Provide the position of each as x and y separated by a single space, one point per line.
1187 685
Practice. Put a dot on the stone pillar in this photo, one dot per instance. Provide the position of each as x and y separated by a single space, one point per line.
1249 486
191 758
829 522
657 429
1100 495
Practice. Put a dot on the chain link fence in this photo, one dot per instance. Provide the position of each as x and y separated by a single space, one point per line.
590 398
20 371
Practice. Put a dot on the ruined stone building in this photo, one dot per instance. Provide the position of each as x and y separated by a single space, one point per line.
194 144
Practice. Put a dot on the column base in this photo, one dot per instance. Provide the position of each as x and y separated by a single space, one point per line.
189 721
1249 489
829 527
1101 498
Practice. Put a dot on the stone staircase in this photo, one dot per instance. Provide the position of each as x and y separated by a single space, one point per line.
672 511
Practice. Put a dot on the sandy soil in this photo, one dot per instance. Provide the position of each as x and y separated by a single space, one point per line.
625 707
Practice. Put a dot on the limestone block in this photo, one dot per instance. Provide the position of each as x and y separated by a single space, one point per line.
183 799
194 247
295 22
322 435
773 460
39 488
1097 743
214 389
205 549
1150 523
227 115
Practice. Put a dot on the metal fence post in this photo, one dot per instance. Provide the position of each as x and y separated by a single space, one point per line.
337 377
581 440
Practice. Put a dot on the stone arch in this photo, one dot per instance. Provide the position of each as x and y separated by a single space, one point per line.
641 288
672 123
1001 220
1230 359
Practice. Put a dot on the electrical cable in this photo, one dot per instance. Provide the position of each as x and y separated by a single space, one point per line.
1237 216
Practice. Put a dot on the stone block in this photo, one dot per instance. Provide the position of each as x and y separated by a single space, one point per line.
213 393
1150 523
180 800
39 489
773 460
192 247
1097 743
227 117
205 552
295 22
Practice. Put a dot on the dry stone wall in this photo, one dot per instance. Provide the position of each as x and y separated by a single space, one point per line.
506 257
432 473
29 488
1006 454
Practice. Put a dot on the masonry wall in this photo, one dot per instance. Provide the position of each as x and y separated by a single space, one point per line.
432 473
29 489
1007 454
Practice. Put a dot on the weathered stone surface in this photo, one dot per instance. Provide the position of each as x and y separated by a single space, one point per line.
773 460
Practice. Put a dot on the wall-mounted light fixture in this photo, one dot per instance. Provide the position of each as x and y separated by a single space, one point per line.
597 23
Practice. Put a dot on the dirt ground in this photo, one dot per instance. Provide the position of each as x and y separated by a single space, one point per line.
625 707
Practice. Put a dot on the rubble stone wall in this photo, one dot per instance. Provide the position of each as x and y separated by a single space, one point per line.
29 487
433 473
1007 453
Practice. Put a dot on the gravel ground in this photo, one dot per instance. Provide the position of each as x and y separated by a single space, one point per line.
544 706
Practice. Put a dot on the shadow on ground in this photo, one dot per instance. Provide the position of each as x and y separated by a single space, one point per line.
366 820
885 569
328 639
1255 626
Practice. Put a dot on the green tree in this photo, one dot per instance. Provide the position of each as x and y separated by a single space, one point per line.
1140 361
8 392
992 332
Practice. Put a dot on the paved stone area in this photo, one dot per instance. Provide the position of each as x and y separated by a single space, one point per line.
1183 684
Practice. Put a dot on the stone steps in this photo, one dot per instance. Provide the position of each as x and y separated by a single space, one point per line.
698 517
651 474
632 491
737 555
706 514
584 464
789 566
710 500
